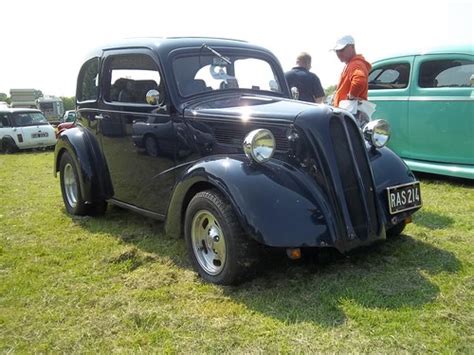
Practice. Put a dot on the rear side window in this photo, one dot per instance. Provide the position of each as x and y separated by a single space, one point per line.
88 82
446 73
131 77
393 76
4 120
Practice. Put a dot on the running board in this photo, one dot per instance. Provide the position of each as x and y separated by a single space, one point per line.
136 209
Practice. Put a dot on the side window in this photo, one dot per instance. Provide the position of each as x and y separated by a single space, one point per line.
446 73
131 77
393 76
88 82
4 120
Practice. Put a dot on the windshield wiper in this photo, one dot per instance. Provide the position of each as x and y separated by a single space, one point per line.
225 59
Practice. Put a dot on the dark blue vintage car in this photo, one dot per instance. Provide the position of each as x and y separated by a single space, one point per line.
202 133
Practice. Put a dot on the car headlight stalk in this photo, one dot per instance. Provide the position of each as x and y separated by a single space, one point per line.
377 133
259 145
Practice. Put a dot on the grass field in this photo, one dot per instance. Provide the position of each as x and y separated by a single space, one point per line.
116 283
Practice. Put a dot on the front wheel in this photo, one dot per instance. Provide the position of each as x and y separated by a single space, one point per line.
219 250
8 145
396 230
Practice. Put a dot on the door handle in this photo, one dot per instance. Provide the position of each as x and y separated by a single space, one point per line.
101 117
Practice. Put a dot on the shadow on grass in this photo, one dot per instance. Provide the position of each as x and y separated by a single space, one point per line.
387 276
432 220
138 231
455 181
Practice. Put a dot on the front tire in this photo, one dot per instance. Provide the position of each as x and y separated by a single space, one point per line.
9 146
218 248
396 230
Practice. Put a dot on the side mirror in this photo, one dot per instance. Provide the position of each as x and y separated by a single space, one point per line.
153 97
295 93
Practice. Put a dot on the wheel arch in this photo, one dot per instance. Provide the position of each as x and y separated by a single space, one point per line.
390 170
264 199
5 138
95 182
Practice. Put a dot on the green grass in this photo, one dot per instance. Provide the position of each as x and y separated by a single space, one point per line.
118 284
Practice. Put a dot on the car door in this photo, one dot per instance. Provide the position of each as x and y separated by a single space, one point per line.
137 137
441 109
389 89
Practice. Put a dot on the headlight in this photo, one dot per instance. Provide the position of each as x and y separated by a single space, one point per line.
377 133
259 145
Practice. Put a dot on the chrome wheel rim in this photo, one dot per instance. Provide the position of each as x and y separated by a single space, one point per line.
208 240
70 185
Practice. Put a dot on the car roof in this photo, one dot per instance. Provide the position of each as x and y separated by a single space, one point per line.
451 49
168 44
18 109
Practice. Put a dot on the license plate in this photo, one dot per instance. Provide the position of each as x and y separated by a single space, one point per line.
404 197
39 135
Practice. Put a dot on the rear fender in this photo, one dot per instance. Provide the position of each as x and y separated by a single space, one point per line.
95 182
275 203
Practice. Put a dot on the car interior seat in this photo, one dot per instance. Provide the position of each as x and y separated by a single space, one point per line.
193 87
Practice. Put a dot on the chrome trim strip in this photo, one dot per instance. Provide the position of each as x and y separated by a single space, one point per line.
232 119
123 112
441 98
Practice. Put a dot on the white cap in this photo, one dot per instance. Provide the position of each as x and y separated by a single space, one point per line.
343 42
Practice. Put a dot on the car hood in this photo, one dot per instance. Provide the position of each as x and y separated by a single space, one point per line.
249 108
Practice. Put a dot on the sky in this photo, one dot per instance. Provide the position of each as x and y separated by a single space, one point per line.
43 42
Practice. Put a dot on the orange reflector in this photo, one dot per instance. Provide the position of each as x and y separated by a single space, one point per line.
293 253
408 220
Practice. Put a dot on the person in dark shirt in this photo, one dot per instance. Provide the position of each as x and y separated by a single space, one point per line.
307 83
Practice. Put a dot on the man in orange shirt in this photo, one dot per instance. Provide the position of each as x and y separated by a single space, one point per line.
353 83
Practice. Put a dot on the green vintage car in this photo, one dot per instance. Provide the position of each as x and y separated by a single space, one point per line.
428 98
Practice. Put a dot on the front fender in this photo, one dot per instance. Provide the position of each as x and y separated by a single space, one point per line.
84 149
275 203
389 170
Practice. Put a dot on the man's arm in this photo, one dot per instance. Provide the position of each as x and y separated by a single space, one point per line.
358 84
318 91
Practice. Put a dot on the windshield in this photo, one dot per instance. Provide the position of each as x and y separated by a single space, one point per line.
206 71
69 116
29 119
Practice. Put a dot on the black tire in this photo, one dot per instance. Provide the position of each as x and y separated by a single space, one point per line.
396 230
71 186
9 146
98 208
71 190
151 146
219 250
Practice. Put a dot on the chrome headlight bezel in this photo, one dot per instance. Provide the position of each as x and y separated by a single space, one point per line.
377 133
259 145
